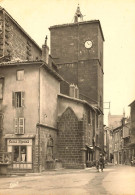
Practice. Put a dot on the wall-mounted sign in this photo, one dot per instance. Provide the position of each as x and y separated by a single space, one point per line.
20 142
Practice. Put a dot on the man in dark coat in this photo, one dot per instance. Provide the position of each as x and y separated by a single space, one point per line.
101 162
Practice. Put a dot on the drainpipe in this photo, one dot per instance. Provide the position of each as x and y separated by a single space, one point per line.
38 129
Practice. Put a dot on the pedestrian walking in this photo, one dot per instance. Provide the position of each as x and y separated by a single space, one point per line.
101 163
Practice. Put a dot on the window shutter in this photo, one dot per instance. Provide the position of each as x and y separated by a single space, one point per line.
21 125
16 125
13 99
22 99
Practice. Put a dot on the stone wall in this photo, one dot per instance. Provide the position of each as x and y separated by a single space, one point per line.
46 134
71 138
15 43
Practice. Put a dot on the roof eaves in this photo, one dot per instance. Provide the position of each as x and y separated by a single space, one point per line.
131 103
54 73
77 100
99 110
119 127
79 23
46 126
16 63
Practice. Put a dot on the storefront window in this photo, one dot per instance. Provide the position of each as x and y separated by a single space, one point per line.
23 154
16 154
21 150
20 154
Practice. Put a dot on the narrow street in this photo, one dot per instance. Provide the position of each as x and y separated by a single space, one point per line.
114 180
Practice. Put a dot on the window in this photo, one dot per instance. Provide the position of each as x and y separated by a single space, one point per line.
19 154
1 88
20 75
19 125
18 99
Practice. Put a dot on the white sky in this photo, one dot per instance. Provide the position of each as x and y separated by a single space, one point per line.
117 19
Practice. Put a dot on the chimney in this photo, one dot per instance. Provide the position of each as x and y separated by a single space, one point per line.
76 92
123 121
73 91
45 52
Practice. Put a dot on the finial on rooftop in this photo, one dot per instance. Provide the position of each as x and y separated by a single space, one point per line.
46 40
78 15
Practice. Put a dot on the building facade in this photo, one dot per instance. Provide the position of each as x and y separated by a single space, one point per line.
77 49
132 130
117 145
108 144
121 141
46 118
27 112
114 121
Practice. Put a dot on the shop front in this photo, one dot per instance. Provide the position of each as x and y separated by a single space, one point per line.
21 150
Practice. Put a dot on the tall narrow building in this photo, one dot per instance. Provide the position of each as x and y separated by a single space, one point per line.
77 49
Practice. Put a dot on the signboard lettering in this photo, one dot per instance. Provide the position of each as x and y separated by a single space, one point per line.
19 142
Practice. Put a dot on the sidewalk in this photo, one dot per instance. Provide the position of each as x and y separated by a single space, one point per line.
60 171
48 172
53 172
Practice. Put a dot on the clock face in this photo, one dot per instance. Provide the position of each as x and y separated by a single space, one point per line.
88 44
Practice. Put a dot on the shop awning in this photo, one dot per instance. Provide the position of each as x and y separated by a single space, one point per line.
90 147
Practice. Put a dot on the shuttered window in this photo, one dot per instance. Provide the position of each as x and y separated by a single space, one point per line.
19 126
22 99
18 99
16 125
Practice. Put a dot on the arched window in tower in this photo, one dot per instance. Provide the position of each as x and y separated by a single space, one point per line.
50 148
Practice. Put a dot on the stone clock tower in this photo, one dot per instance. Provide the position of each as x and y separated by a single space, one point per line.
77 49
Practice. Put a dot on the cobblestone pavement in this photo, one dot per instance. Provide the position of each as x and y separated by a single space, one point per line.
116 180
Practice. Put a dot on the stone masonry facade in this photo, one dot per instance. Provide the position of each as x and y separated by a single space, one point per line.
15 44
71 141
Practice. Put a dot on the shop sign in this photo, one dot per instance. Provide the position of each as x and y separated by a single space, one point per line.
14 142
